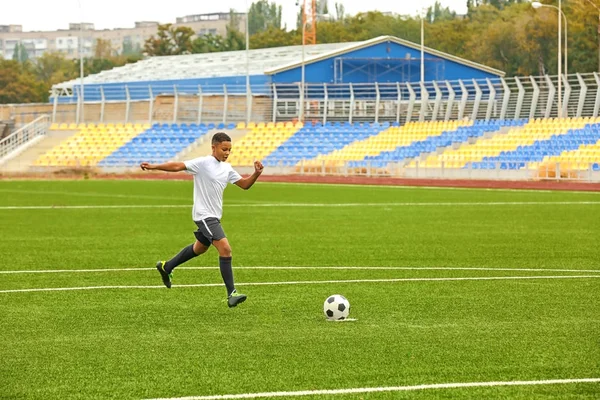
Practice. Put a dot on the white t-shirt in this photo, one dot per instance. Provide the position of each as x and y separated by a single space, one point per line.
210 179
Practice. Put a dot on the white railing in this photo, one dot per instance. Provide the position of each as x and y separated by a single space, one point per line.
400 102
24 135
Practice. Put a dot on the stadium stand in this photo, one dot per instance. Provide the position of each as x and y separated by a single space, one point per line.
432 143
90 144
160 143
316 139
523 133
262 140
543 147
385 138
571 143
579 159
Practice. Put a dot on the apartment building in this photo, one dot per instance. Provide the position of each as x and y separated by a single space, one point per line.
84 36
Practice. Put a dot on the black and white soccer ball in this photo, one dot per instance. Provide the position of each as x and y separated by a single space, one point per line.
336 307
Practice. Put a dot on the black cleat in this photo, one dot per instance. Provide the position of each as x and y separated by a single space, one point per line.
235 298
166 277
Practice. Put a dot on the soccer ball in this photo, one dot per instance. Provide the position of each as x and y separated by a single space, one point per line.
336 307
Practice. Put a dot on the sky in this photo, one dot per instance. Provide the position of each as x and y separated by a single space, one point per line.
49 15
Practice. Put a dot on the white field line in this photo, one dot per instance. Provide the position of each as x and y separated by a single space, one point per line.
199 285
93 194
343 185
95 207
54 271
432 187
386 389
327 205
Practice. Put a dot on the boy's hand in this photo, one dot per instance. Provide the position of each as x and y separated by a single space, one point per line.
258 167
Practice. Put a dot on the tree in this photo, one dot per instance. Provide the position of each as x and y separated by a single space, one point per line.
263 15
19 85
234 21
52 68
170 41
20 53
130 48
208 44
103 48
332 32
322 7
233 40
437 13
364 26
340 11
275 37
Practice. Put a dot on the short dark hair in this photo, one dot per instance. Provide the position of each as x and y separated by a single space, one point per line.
220 137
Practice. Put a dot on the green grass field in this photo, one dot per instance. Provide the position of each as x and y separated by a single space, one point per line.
446 286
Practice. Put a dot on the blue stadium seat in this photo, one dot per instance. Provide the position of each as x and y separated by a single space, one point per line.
554 146
157 144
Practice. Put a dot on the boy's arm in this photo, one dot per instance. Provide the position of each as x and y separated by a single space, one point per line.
246 183
168 166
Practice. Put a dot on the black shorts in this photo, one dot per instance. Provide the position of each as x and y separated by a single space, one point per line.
209 229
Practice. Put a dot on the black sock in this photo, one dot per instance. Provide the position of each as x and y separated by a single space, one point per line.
187 253
227 273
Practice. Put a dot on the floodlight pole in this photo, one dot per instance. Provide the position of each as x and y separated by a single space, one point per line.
303 78
81 92
301 112
248 97
536 5
422 51
559 60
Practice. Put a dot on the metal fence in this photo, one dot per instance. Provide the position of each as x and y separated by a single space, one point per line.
401 102
21 138
555 171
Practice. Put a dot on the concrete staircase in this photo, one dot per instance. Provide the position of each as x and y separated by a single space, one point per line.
24 160
6 128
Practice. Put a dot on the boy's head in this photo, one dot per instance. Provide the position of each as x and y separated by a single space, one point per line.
221 146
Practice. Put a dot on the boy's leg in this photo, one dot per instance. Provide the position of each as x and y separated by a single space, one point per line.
233 297
186 254
211 228
165 268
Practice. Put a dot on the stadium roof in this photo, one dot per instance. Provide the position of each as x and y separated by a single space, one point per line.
207 65
381 39
233 63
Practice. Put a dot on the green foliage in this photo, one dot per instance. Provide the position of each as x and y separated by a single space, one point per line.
31 81
20 53
131 49
263 15
170 41
340 11
52 68
234 40
505 34
103 49
437 13
275 37
18 83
